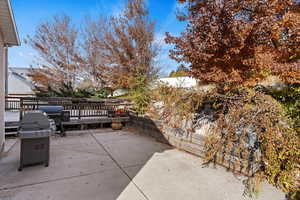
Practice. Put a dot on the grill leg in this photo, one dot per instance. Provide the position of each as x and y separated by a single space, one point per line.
21 159
47 154
62 130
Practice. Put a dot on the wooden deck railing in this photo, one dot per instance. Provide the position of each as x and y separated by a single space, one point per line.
12 103
78 107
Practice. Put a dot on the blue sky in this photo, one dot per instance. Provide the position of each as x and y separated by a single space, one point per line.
30 13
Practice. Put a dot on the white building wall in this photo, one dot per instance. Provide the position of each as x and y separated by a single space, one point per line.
2 93
19 86
178 82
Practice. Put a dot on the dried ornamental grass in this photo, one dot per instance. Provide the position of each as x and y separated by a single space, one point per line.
251 125
248 125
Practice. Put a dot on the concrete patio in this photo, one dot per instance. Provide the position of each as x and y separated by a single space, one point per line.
108 165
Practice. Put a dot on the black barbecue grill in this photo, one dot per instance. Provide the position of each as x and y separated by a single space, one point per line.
58 114
34 131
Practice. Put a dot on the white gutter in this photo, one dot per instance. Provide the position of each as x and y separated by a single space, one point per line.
12 17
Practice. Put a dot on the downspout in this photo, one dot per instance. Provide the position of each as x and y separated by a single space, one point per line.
6 68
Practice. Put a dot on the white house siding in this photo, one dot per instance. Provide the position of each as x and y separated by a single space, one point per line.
8 37
18 85
177 82
2 93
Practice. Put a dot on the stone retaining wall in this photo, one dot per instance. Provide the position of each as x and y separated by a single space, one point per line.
190 142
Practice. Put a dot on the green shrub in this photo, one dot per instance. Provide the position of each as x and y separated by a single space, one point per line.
66 90
101 93
289 97
178 74
140 93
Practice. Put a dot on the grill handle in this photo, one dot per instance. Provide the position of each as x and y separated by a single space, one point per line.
30 126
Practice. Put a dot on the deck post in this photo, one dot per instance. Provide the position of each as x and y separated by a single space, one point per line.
79 111
21 108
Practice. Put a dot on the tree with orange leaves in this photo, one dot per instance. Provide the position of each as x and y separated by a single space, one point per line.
239 42
124 45
60 62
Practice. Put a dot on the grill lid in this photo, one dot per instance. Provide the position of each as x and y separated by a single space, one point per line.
34 120
51 109
35 124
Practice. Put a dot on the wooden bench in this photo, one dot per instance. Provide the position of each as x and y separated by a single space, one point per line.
14 126
83 122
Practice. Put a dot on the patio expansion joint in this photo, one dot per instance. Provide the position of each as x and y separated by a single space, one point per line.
119 166
136 165
53 180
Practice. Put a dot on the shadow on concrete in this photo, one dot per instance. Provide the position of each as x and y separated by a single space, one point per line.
90 164
124 165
